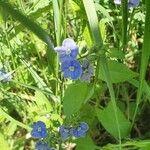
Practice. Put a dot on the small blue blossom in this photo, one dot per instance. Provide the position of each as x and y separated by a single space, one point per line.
64 132
68 50
39 130
71 69
41 145
84 126
131 3
87 71
79 131
4 76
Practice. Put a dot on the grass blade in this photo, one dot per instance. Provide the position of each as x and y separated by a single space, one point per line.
13 120
93 21
28 23
144 58
57 19
124 4
34 16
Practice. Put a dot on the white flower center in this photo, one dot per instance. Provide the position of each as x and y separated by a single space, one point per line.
68 51
39 129
71 68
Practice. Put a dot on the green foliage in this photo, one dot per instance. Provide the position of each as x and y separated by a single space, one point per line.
3 143
42 101
82 144
119 72
106 117
75 96
144 57
114 103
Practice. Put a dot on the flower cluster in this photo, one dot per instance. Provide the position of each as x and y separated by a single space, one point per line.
131 3
77 131
87 71
5 76
70 67
67 53
39 131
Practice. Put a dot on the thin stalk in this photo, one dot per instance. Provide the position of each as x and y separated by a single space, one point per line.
124 4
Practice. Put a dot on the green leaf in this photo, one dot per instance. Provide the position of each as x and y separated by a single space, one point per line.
105 12
3 143
115 53
93 22
85 143
118 71
40 4
107 16
42 101
102 26
10 129
145 89
76 95
106 117
87 36
136 145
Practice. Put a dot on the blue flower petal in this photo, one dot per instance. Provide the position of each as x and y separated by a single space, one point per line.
5 76
84 126
73 73
39 130
41 145
87 71
68 50
69 43
64 132
131 3
77 132
65 65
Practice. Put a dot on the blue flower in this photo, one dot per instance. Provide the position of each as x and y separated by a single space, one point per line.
68 50
79 131
41 145
64 132
131 3
87 71
39 130
71 69
4 76
84 126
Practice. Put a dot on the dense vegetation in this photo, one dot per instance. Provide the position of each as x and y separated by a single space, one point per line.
74 74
